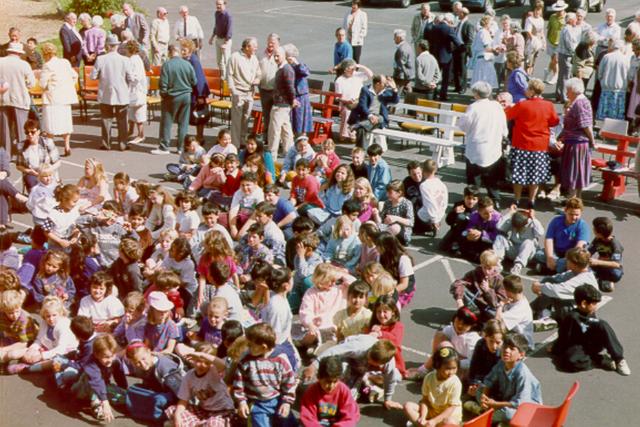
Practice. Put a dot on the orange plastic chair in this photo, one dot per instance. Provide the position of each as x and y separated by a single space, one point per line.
532 414
482 420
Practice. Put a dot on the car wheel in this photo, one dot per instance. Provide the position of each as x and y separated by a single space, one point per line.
598 6
489 4
405 3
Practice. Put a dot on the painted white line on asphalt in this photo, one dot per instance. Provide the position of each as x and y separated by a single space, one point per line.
447 268
423 264
413 350
20 224
543 344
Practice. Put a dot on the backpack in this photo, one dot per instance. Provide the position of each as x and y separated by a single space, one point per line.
149 405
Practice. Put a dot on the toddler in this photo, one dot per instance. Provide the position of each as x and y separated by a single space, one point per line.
41 198
103 308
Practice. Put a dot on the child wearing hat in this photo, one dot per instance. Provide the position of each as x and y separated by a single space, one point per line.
160 333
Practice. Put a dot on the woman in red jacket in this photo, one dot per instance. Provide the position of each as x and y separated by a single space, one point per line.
533 118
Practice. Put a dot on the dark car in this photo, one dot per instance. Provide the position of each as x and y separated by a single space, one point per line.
481 5
401 3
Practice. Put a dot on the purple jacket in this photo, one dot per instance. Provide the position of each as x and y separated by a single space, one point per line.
489 228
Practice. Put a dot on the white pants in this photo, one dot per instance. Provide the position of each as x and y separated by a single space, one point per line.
521 254
222 55
241 105
280 129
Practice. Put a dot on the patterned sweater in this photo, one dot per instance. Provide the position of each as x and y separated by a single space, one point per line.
264 378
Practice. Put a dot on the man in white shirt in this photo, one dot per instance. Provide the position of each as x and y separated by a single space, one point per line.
159 37
607 30
435 197
188 27
485 125
243 75
268 69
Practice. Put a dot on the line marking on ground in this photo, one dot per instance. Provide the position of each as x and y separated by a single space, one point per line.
413 350
20 224
543 344
447 268
423 264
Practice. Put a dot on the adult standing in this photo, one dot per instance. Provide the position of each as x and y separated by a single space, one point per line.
584 59
221 35
581 23
420 21
403 61
634 25
518 80
427 71
500 46
634 83
612 73
71 40
268 69
608 30
301 120
485 126
465 32
284 100
536 43
138 89
556 23
243 75
16 101
533 118
137 23
159 37
94 40
341 50
569 39
201 89
444 40
14 37
356 25
577 138
483 55
37 152
113 71
177 78
58 81
188 27
7 191
348 85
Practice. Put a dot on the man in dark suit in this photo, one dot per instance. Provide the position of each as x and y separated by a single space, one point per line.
372 111
466 31
444 41
71 40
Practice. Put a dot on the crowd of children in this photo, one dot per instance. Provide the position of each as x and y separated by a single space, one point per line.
267 296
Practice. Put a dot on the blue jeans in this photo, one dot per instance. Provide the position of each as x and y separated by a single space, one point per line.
611 274
264 414
541 258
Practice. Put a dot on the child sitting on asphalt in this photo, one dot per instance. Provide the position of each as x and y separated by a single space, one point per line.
458 218
607 266
582 337
481 231
515 312
519 238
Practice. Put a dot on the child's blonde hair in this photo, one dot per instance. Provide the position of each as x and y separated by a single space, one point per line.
167 198
357 150
325 273
60 258
98 171
170 233
134 301
45 170
342 221
489 258
364 183
218 302
373 268
11 300
216 245
384 284
52 304
329 144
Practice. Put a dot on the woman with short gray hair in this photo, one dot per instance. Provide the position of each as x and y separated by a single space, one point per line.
483 55
577 139
301 121
584 58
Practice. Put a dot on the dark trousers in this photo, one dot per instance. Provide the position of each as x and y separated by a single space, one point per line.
610 274
454 235
560 308
485 176
266 100
174 109
445 69
12 119
108 113
357 51
471 250
460 70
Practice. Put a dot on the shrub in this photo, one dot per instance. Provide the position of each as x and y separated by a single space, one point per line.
103 8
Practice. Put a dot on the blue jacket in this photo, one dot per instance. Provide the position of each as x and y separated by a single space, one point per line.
361 112
379 177
443 41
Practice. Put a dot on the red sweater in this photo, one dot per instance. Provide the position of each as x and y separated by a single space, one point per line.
231 184
395 334
338 407
305 190
532 119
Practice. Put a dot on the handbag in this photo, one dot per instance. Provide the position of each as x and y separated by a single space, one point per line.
148 405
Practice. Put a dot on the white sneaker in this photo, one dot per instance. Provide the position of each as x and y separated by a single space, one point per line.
544 324
516 269
622 367
137 140
159 152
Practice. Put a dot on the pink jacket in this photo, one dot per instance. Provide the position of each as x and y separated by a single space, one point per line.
208 177
323 304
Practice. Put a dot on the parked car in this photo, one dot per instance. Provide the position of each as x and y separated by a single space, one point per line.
481 5
587 5
401 3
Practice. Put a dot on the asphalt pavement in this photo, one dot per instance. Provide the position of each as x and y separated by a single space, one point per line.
605 398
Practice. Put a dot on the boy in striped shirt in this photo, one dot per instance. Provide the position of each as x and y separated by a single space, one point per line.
265 382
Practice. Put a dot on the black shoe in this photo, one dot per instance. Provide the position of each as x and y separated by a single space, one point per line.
606 286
